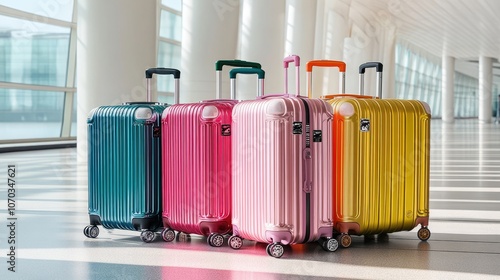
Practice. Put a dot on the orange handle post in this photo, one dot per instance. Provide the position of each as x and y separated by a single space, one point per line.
325 63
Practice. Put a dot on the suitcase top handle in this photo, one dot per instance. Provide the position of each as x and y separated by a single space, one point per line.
234 63
163 71
325 63
296 60
379 67
261 74
291 58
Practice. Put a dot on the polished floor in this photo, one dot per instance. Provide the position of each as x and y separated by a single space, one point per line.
51 203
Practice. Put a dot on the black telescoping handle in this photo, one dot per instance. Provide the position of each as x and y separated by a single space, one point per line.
377 65
163 71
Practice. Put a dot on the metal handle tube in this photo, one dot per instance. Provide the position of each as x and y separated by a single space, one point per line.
259 72
325 63
162 71
379 67
234 63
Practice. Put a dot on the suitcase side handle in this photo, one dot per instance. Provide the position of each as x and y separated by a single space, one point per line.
248 71
379 67
163 71
296 60
325 63
219 64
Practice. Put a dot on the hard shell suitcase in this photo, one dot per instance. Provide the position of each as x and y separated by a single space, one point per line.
282 157
197 165
381 163
124 163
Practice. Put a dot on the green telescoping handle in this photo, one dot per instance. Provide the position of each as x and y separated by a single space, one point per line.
163 71
236 63
231 62
379 67
261 74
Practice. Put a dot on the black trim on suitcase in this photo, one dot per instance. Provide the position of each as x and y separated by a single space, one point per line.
308 194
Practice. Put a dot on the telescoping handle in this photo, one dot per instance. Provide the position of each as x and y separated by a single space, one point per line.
296 60
379 67
234 63
325 63
256 71
163 71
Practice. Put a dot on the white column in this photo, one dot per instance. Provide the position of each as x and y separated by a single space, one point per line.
362 46
261 37
448 91
485 88
372 38
116 43
389 59
332 27
299 37
209 33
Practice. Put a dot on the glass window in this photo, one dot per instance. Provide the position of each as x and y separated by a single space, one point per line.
60 9
169 55
173 4
169 47
74 117
170 26
33 53
28 114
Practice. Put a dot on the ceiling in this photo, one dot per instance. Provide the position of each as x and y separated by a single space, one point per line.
464 29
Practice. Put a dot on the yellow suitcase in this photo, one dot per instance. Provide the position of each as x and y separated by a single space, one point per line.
381 163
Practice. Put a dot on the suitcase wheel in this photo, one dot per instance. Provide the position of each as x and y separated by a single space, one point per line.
86 231
91 231
215 240
235 242
424 233
330 244
275 250
344 240
168 235
147 236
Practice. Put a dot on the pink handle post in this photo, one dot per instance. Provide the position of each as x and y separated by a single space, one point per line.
286 61
291 58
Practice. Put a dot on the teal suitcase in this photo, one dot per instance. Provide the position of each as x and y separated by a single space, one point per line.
124 165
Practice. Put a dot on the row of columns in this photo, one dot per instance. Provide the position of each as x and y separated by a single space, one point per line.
485 89
270 30
112 54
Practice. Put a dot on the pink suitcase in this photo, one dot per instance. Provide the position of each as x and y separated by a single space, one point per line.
282 159
196 168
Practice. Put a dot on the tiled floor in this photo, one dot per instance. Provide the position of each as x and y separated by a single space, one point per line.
51 202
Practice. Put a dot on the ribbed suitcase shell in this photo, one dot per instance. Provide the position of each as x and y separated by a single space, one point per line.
381 175
124 159
197 167
279 195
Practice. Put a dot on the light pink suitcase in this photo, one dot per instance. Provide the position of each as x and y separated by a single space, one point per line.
282 156
196 160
